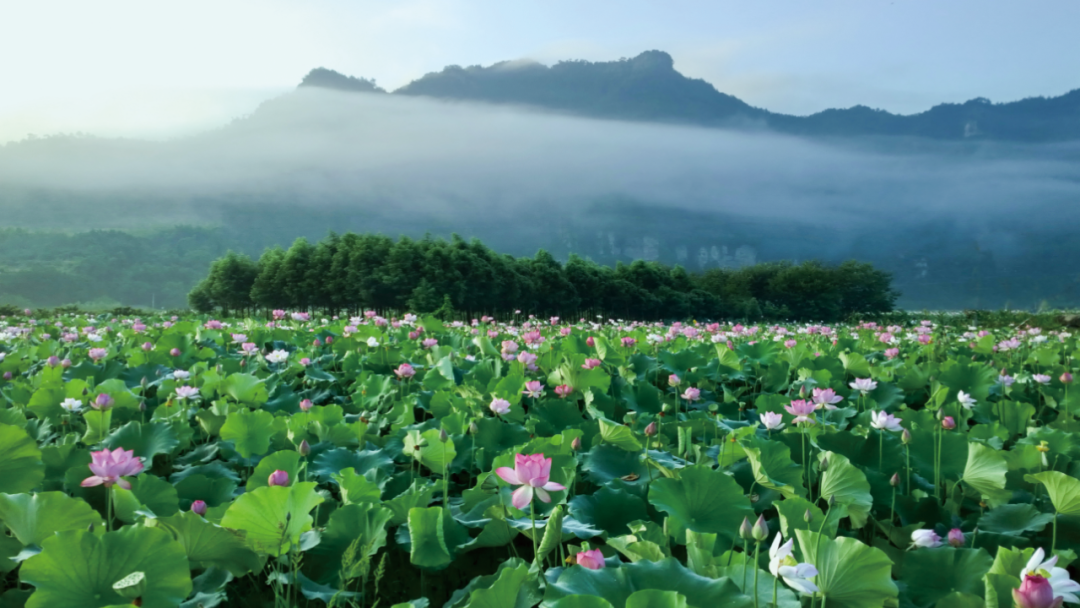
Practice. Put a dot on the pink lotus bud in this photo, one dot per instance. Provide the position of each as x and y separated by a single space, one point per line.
576 444
1066 378
66 363
592 559
956 537
52 361
316 342
175 352
674 380
198 507
329 340
305 361
589 341
894 481
7 375
278 478
948 423
306 405
102 402
147 346
1036 592
651 430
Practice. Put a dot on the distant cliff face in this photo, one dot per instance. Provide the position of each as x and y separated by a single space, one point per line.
648 88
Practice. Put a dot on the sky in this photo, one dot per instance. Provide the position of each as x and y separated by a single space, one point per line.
155 69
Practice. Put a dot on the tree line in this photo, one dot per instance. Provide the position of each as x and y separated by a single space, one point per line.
353 272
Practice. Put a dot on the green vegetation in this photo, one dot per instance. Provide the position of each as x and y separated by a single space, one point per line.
353 272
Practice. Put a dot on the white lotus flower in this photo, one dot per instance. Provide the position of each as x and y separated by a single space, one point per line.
71 405
965 400
278 356
372 342
782 564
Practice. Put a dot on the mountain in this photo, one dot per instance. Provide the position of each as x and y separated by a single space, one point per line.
648 88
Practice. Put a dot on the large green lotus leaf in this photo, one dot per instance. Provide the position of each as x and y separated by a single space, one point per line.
250 431
959 599
761 352
364 525
616 585
147 492
419 494
495 437
702 500
357 489
283 460
245 388
619 435
742 574
527 595
850 574
509 590
605 463
32 519
429 450
145 440
644 398
608 509
864 451
772 466
954 449
212 491
793 517
975 380
1014 519
931 574
985 473
339 459
21 468
208 545
845 482
77 569
580 601
45 403
1064 490
434 536
274 517
655 598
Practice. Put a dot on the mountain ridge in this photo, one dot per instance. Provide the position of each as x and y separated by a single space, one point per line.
649 88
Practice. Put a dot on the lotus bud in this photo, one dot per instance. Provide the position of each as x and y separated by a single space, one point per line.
956 537
305 405
674 380
894 481
52 361
443 437
650 430
576 444
7 376
948 423
1066 378
304 448
808 516
746 531
278 478
761 529
316 342
824 464
142 406
905 437
147 346
802 392
832 501
1036 592
66 363
473 429
198 507
590 342
102 402
175 352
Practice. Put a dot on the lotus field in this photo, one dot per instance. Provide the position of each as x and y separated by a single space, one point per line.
411 462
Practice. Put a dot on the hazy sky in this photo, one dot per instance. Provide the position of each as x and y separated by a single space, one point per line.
153 68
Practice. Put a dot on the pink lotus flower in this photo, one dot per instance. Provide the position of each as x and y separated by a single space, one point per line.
692 394
1041 378
97 354
102 402
802 410
772 421
1036 592
198 507
592 559
673 380
563 390
305 361
892 353
628 342
534 389
174 352
527 358
532 473
186 392
429 342
509 347
306 405
956 537
925 538
110 468
405 371
826 398
863 385
884 421
500 406
278 478
592 363
790 343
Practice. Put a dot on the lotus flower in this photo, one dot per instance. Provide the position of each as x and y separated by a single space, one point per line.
71 405
591 559
1036 592
533 389
186 392
563 390
956 537
102 402
278 478
110 468
1059 579
591 363
802 410
429 342
532 473
863 385
925 538
198 507
674 380
278 356
500 406
692 394
97 354
405 371
772 421
782 564
884 421
826 398
965 400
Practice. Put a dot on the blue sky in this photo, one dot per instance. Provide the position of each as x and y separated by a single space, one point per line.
159 69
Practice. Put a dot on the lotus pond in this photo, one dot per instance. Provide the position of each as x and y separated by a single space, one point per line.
409 462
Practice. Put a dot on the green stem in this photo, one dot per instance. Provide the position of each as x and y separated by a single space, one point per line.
892 507
775 581
1053 544
907 457
757 550
881 452
532 517
108 510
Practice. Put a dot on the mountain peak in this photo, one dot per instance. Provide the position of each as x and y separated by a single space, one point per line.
658 60
329 79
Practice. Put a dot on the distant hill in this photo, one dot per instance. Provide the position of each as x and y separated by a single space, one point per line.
648 88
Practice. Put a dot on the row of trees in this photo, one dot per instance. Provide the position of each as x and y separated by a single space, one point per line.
352 272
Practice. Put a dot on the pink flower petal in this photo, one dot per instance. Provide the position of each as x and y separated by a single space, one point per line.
508 475
522 497
551 486
542 493
92 481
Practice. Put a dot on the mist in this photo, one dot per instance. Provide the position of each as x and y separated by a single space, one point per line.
934 213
